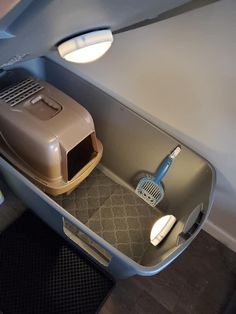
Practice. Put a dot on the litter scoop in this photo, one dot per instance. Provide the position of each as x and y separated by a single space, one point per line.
150 188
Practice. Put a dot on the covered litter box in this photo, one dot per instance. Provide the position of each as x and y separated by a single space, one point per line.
103 216
47 135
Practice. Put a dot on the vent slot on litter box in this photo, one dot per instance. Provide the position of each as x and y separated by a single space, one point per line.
21 91
79 156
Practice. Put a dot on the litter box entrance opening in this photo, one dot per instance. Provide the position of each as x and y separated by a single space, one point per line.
79 156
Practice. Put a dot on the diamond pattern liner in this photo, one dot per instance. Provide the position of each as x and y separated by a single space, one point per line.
113 212
85 200
125 222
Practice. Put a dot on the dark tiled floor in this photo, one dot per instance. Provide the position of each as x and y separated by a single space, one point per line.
201 281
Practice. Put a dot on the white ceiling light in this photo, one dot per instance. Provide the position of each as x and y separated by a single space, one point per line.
87 47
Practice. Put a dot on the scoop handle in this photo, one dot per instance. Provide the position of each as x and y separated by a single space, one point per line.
165 165
162 169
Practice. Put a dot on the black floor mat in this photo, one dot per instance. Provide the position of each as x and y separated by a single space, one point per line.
41 273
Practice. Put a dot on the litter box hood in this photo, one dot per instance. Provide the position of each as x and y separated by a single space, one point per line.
47 135
132 147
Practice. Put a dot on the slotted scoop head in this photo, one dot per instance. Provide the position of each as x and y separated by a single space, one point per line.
150 189
151 192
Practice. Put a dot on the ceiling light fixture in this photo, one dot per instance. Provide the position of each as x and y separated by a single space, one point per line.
86 47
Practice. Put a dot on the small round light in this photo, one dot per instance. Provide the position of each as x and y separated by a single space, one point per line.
87 47
161 228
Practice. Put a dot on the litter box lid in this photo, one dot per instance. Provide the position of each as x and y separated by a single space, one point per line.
39 126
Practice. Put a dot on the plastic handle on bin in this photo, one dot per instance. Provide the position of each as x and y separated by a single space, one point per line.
87 245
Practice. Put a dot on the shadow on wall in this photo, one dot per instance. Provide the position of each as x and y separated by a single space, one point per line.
191 5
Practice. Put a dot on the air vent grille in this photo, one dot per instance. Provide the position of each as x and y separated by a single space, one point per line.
19 92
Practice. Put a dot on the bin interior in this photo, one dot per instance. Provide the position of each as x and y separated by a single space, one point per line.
112 212
105 201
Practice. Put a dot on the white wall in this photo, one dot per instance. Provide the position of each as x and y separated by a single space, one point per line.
181 74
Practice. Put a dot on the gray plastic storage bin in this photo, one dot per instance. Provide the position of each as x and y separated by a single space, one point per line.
132 146
119 265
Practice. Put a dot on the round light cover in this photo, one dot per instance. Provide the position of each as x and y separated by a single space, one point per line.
86 47
161 228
